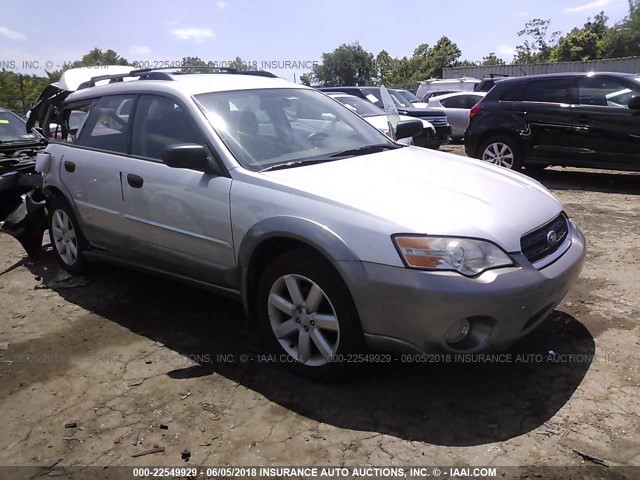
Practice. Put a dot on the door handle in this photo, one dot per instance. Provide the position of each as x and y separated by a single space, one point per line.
134 180
69 166
521 113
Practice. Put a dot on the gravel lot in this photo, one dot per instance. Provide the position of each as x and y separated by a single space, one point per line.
123 355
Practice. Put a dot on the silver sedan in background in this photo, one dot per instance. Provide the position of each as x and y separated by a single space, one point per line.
457 106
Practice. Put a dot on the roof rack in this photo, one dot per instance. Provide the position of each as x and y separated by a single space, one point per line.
157 74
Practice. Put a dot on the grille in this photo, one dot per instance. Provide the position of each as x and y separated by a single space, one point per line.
436 121
542 242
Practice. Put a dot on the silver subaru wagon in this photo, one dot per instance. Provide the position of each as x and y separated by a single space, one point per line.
335 237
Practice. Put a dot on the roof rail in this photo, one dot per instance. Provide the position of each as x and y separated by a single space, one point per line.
157 74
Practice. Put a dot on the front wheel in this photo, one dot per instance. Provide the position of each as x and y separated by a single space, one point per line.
502 151
307 316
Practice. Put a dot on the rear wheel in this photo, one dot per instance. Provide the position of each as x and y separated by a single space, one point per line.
67 239
307 316
502 151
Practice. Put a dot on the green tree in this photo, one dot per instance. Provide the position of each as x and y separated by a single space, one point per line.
349 64
98 57
623 39
584 43
538 43
492 59
444 54
191 64
307 79
384 65
240 64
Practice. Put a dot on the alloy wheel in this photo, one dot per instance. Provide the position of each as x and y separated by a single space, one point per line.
500 154
303 320
64 237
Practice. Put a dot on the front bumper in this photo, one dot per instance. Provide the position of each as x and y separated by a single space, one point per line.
429 138
410 310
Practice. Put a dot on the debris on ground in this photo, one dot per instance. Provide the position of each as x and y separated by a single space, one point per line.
202 428
53 463
68 281
164 426
136 439
185 395
186 455
135 383
155 449
71 425
591 458
211 408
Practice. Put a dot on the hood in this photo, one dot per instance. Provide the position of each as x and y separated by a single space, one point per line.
425 192
419 105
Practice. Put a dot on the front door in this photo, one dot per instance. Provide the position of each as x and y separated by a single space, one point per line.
178 219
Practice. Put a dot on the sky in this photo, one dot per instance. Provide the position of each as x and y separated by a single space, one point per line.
155 33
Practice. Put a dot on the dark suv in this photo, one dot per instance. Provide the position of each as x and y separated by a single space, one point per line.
571 119
436 117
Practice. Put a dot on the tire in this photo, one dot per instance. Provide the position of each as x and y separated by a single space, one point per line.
66 238
307 347
502 151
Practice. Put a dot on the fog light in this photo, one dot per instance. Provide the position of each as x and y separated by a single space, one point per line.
458 331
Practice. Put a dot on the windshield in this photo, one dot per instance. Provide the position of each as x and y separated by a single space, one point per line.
373 95
264 128
399 100
360 106
14 129
408 95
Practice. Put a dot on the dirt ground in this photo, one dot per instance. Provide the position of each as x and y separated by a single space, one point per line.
129 361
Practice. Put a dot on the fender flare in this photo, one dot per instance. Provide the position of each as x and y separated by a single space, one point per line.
313 234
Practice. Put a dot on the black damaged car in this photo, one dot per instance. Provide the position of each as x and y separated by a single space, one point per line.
19 193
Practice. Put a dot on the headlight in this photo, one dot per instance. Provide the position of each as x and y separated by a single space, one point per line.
467 256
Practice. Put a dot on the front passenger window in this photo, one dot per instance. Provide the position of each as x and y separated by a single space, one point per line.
161 122
604 92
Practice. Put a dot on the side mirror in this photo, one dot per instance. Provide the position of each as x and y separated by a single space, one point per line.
186 155
634 102
408 128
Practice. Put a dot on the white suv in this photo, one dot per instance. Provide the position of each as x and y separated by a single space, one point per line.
335 237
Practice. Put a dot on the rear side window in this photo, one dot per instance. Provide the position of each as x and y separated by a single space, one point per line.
551 90
106 127
461 101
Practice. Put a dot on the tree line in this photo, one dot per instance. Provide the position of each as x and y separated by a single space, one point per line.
351 64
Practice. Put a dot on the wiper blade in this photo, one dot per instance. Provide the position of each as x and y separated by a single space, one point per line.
295 163
334 156
366 150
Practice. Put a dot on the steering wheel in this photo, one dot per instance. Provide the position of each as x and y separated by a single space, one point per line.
317 136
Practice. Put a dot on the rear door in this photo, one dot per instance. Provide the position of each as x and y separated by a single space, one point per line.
91 166
179 219
543 116
607 131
